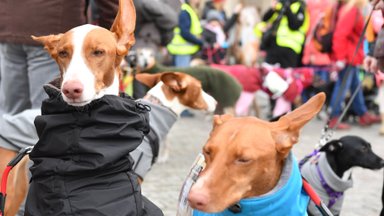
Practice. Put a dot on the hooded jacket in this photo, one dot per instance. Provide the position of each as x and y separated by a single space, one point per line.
81 161
310 173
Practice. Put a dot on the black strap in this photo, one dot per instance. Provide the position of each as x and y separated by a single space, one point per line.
154 142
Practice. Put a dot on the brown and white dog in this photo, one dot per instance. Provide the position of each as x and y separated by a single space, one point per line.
89 56
170 94
249 159
89 59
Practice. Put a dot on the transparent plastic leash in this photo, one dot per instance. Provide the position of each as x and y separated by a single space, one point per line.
184 209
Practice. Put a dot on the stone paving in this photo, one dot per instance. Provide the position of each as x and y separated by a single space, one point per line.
163 183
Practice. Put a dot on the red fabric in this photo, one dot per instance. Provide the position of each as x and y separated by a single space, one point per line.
4 180
348 29
249 77
312 56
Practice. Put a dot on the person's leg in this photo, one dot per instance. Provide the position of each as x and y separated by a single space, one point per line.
337 99
26 69
18 132
380 99
41 70
358 104
182 60
14 97
14 94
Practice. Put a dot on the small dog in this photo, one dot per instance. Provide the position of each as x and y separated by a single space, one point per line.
249 163
220 85
330 171
170 94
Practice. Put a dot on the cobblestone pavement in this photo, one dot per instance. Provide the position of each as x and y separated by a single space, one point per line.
163 183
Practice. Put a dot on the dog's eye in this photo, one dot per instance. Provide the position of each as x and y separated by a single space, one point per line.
206 152
364 149
242 161
97 53
63 54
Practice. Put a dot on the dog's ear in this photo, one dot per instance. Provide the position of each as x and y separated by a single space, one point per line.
124 26
286 130
50 42
332 146
149 80
220 119
174 80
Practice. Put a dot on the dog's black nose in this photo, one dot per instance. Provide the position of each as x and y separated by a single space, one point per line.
382 163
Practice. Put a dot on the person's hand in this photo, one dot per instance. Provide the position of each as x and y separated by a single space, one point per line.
274 3
238 8
339 65
216 45
370 64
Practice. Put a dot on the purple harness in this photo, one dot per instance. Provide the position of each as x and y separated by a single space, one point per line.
333 195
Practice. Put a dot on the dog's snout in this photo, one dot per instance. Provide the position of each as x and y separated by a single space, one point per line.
382 163
73 89
198 200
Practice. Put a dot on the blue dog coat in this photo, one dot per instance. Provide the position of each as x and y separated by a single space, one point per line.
288 198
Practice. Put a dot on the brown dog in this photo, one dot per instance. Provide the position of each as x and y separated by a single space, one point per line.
245 157
89 60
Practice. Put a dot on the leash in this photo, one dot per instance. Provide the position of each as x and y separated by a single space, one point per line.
326 136
316 199
3 190
327 132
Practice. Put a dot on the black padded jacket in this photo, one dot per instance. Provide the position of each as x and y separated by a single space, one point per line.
81 161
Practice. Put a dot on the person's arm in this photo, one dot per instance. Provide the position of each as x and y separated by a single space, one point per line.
232 21
107 12
163 16
344 28
267 15
185 25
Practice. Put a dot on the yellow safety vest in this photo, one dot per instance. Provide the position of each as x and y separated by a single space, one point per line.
178 45
285 37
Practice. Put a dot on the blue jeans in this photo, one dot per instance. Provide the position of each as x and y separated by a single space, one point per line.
181 60
24 71
352 82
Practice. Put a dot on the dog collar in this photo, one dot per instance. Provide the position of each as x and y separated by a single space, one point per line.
287 198
333 194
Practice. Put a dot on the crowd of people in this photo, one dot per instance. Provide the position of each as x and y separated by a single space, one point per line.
290 34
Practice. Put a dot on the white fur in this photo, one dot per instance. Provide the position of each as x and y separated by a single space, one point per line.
173 104
211 102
